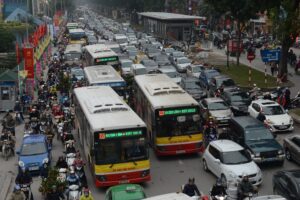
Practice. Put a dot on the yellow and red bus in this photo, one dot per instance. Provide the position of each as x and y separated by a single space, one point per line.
112 136
77 36
172 115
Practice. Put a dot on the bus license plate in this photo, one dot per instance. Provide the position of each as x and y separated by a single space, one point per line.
180 151
123 181
112 63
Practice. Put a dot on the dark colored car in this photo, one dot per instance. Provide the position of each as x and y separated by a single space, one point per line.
287 184
206 76
191 85
257 139
218 81
292 148
162 60
237 100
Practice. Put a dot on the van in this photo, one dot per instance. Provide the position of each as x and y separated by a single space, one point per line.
138 69
257 139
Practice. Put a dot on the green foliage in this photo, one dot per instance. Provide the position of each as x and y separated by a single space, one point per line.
6 39
8 61
52 180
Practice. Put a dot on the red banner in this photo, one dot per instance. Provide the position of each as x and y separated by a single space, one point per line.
28 61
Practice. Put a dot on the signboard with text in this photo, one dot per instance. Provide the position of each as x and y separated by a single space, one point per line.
28 62
270 55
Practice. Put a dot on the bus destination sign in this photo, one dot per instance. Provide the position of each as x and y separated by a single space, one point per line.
120 134
180 111
98 60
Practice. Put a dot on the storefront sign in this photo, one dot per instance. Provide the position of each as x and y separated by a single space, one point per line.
28 62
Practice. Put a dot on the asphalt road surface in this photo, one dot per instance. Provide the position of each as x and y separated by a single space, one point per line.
168 173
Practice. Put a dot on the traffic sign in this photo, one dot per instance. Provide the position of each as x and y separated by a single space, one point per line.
250 56
269 55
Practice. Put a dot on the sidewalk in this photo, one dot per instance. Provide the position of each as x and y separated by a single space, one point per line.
6 180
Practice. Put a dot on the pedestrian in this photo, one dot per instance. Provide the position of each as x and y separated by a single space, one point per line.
17 194
273 68
287 94
297 66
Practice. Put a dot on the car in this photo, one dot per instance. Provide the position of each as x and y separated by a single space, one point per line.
170 71
152 51
206 75
287 184
125 192
182 63
125 66
217 108
161 60
220 81
174 55
229 161
172 196
194 70
291 147
277 119
78 72
191 85
138 69
157 45
34 152
237 100
257 139
167 51
132 53
150 65
92 39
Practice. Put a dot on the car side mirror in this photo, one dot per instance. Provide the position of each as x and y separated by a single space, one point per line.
287 111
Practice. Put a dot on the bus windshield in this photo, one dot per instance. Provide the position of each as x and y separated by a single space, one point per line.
169 126
121 150
77 36
72 56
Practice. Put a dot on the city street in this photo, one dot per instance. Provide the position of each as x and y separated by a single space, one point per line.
168 174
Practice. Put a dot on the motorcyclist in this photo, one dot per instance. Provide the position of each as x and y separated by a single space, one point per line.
267 96
190 188
24 178
7 136
218 189
27 129
61 163
55 194
70 148
17 194
18 108
261 116
245 187
78 160
86 195
254 89
210 132
73 179
9 122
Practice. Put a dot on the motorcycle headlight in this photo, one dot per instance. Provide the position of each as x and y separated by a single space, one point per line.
280 151
45 161
21 164
257 154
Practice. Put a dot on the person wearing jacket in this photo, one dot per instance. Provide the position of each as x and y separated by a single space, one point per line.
191 188
86 195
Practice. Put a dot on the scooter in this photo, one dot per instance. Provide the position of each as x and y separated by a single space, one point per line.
70 159
74 193
7 149
80 173
62 175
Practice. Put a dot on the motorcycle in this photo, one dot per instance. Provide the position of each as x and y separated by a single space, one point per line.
70 159
34 123
73 193
7 149
219 197
80 173
60 127
62 175
18 117
27 191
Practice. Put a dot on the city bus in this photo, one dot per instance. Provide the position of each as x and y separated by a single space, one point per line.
77 36
72 25
112 137
100 54
73 54
172 115
105 75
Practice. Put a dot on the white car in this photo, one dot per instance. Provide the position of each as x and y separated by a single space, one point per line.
182 63
277 119
194 70
230 161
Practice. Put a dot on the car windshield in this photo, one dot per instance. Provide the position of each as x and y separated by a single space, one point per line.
169 126
196 69
256 134
126 64
131 48
217 106
273 110
225 82
212 74
172 74
183 61
77 36
191 84
242 96
77 72
33 149
235 157
116 151
116 49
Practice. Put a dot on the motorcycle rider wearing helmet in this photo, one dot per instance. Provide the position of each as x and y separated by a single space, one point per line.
210 132
86 195
245 187
24 178
218 189
78 160
7 136
34 113
191 188
70 148
9 122
72 178
55 194
61 163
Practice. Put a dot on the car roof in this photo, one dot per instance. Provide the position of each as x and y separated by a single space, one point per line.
127 191
226 145
125 60
213 99
34 138
293 174
222 77
265 102
247 121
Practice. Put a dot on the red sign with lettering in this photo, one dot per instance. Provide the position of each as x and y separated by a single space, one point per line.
250 56
28 61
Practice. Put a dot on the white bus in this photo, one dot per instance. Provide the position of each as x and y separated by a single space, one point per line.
73 54
105 75
77 36
113 138
72 25
172 115
100 54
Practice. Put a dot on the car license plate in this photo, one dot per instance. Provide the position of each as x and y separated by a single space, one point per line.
123 181
180 151
223 121
33 168
269 159
282 127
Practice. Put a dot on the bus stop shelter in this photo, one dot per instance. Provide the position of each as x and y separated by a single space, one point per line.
169 25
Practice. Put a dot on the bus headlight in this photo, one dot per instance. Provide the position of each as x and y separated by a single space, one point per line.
160 148
145 173
101 178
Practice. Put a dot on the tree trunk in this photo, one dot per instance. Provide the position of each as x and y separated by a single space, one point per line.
239 41
284 57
